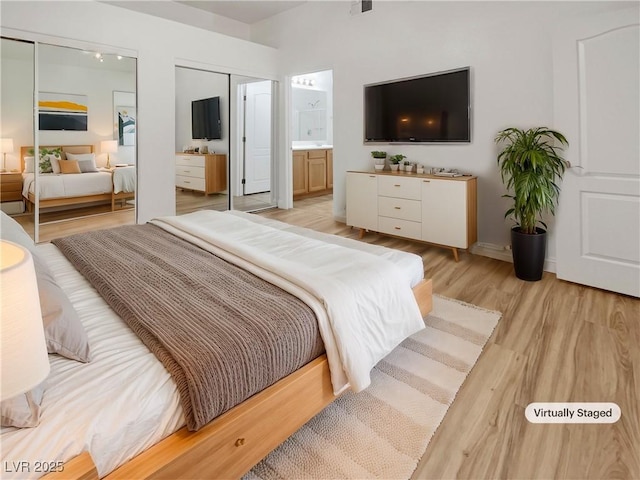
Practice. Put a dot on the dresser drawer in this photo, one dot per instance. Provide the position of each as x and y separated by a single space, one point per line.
11 186
190 160
400 208
186 171
190 183
10 196
399 227
398 187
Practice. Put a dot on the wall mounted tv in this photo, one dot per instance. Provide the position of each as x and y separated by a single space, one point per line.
430 108
205 119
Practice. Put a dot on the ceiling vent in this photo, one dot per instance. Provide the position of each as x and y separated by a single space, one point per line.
361 6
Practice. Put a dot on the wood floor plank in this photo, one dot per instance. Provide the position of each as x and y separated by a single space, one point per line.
481 409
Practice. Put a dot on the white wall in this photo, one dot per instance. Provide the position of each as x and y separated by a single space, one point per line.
194 85
159 45
506 44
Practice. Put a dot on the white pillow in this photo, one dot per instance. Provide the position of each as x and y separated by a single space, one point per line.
55 165
86 161
22 410
28 164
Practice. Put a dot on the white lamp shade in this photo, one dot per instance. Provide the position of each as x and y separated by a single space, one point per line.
109 146
6 145
24 362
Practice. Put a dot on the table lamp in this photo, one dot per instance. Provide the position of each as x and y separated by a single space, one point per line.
6 146
109 146
23 352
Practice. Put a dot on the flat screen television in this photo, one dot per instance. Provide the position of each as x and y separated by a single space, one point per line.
429 108
205 119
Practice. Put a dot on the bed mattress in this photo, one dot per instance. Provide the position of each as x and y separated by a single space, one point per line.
51 185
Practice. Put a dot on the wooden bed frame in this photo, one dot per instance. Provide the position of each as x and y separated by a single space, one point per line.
66 201
230 445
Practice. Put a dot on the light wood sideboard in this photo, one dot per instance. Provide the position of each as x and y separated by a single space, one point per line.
437 210
205 173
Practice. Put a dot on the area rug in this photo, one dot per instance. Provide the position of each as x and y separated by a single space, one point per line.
383 431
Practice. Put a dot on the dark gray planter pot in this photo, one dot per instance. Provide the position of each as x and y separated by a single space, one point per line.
528 253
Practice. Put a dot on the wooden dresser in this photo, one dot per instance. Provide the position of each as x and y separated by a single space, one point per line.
205 173
10 187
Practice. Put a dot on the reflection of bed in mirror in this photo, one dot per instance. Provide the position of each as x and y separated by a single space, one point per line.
91 185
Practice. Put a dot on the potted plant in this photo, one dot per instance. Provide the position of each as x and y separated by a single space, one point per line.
530 166
379 158
395 160
408 166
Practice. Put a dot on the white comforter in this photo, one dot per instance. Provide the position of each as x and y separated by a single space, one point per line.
364 304
52 185
124 179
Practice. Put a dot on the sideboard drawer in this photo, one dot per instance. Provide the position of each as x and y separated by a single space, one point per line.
398 187
190 160
186 171
401 228
190 183
400 208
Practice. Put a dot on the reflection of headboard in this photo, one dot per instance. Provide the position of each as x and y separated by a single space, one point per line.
24 151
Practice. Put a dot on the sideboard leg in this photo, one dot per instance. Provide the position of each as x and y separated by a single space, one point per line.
455 254
361 234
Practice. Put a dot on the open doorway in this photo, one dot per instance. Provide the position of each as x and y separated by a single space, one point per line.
312 134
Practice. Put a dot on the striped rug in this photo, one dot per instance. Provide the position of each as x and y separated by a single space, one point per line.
383 431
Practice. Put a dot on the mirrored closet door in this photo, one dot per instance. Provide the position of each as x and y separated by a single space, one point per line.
17 124
225 142
202 140
86 161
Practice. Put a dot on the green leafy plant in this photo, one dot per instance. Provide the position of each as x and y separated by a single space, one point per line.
396 159
45 161
378 154
529 166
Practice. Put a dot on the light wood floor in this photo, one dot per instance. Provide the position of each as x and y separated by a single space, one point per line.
556 342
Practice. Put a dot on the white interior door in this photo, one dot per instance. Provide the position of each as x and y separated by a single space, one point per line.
597 106
257 167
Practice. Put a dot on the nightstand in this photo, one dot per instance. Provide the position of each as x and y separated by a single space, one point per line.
10 187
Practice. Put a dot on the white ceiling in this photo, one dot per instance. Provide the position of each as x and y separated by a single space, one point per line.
245 11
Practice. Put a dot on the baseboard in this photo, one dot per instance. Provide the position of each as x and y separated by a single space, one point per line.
499 252
492 251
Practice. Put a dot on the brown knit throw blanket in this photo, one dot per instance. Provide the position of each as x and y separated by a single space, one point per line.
222 333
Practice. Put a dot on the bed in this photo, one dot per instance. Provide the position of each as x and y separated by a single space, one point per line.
145 436
116 185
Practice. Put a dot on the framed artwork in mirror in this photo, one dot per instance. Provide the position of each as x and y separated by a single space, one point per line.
124 118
